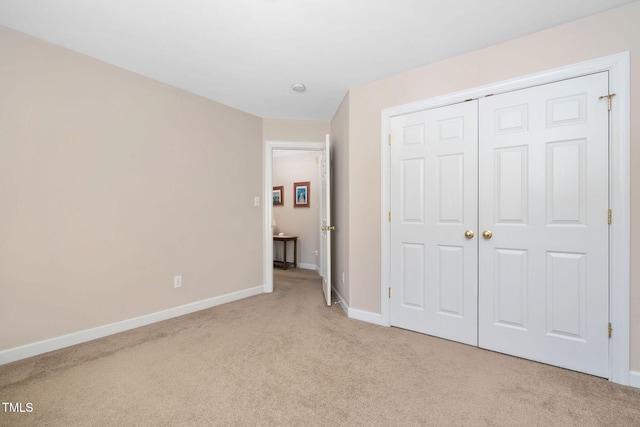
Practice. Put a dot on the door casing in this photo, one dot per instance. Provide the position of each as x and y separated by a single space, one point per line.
619 177
267 240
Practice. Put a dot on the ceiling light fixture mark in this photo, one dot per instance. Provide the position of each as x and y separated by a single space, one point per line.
298 87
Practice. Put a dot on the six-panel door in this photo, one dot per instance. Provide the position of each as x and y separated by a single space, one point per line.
433 172
543 187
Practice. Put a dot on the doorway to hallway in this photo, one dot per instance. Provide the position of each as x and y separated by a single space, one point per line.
323 195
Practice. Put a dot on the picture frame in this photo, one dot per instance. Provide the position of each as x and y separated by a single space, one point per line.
301 194
278 196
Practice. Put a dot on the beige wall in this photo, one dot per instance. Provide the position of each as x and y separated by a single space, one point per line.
340 198
301 222
111 184
294 130
600 35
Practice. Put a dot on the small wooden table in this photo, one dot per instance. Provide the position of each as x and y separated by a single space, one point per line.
284 240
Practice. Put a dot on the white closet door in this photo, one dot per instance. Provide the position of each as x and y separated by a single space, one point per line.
433 203
543 191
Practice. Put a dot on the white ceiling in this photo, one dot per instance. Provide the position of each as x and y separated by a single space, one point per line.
248 53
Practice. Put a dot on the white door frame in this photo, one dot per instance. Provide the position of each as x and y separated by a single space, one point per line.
267 241
619 191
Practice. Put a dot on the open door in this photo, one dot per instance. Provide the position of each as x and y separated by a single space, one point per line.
326 226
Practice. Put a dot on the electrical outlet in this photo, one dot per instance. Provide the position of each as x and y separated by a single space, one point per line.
256 201
342 277
177 281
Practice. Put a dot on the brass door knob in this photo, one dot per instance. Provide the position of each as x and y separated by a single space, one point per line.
487 234
469 234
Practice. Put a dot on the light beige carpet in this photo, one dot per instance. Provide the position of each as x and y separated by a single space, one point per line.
286 359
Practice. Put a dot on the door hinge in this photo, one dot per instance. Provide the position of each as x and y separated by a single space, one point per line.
610 330
390 216
610 216
389 292
611 95
389 139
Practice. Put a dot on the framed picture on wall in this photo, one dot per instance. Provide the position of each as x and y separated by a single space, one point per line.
278 196
301 194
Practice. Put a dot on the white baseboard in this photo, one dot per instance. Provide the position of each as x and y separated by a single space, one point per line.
365 316
45 346
341 301
353 313
308 266
634 379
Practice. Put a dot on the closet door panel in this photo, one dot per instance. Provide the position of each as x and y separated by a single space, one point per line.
434 201
543 194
